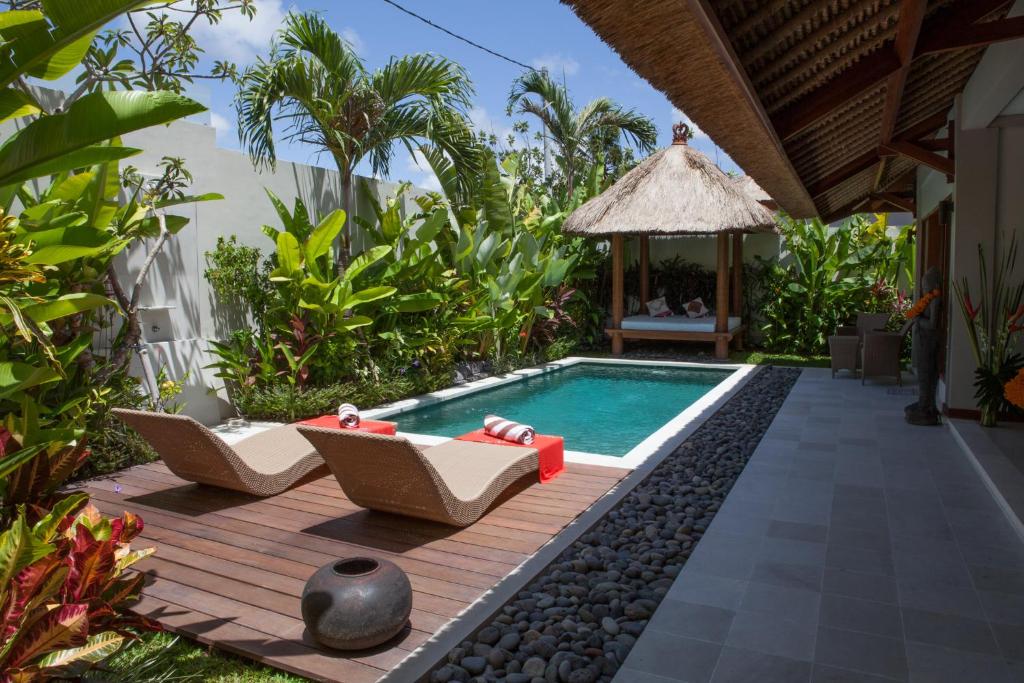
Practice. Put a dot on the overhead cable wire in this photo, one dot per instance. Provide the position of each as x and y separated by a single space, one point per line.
457 36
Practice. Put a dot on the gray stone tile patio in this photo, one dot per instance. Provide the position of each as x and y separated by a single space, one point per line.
852 548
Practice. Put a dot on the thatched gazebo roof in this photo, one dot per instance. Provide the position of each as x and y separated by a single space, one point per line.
750 187
676 191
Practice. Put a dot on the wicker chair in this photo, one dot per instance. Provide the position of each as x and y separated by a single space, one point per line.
845 345
264 464
880 354
453 483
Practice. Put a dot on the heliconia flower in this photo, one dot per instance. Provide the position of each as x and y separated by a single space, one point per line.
1017 315
972 312
1014 389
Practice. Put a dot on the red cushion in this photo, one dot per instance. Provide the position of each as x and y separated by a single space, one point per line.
550 449
369 426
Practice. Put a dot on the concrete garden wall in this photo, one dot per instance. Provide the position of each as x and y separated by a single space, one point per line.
183 313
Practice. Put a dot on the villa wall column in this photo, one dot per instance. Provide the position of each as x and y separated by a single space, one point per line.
618 295
737 274
722 297
645 268
737 284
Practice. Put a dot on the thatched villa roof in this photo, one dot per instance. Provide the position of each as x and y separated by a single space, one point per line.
675 191
828 105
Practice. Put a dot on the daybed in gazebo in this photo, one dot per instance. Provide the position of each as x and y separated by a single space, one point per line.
676 191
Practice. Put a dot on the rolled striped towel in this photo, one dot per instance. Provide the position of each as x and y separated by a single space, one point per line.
508 430
348 415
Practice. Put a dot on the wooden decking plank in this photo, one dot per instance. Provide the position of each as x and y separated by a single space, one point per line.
286 566
278 609
273 543
357 535
313 542
273 624
230 568
289 655
336 500
225 565
310 520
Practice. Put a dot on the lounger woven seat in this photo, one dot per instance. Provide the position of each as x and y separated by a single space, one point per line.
264 464
452 483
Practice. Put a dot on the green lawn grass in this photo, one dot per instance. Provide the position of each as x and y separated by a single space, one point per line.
163 657
768 358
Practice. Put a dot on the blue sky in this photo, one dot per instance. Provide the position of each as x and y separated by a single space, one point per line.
535 32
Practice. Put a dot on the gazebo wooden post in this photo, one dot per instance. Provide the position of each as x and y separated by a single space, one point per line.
618 294
722 298
737 282
645 267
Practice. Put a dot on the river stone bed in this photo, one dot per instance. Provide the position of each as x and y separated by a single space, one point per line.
579 618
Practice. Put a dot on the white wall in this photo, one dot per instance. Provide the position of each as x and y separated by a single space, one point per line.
988 194
184 314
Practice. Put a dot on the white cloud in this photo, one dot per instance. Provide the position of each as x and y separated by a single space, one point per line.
557 65
678 116
224 126
354 39
424 177
236 38
483 122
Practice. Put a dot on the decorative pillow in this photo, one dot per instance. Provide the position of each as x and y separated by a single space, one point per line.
658 308
696 308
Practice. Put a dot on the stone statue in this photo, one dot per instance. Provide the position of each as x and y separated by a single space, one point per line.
926 353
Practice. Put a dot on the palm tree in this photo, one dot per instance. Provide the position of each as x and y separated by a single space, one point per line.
319 90
573 130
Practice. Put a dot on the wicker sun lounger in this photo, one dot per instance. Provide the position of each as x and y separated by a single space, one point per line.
264 464
452 483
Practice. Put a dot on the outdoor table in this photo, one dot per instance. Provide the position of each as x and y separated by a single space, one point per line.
368 426
550 449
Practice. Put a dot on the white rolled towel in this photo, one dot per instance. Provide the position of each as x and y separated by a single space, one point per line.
508 430
348 415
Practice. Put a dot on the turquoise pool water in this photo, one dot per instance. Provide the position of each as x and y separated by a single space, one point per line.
598 408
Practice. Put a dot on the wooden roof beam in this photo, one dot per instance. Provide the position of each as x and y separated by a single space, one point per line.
872 70
976 35
901 203
920 155
907 31
865 161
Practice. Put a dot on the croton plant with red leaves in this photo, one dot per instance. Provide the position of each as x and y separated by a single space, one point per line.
64 590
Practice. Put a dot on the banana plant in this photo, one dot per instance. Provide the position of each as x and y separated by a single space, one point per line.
306 278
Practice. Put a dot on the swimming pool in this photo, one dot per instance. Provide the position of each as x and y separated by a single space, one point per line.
598 407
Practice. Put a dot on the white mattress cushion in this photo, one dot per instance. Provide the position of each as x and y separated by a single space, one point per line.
675 323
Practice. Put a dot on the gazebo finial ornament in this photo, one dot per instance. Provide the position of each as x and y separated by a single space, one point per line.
680 133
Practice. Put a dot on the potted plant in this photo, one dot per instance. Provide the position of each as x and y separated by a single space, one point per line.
994 326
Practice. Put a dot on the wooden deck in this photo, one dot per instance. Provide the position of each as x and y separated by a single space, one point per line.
229 568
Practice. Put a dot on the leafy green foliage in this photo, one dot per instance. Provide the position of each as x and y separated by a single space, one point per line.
823 278
236 273
63 590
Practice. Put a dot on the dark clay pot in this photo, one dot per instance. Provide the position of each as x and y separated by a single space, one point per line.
356 603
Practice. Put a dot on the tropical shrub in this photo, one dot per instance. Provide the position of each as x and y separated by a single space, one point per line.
831 275
63 590
238 275
473 273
